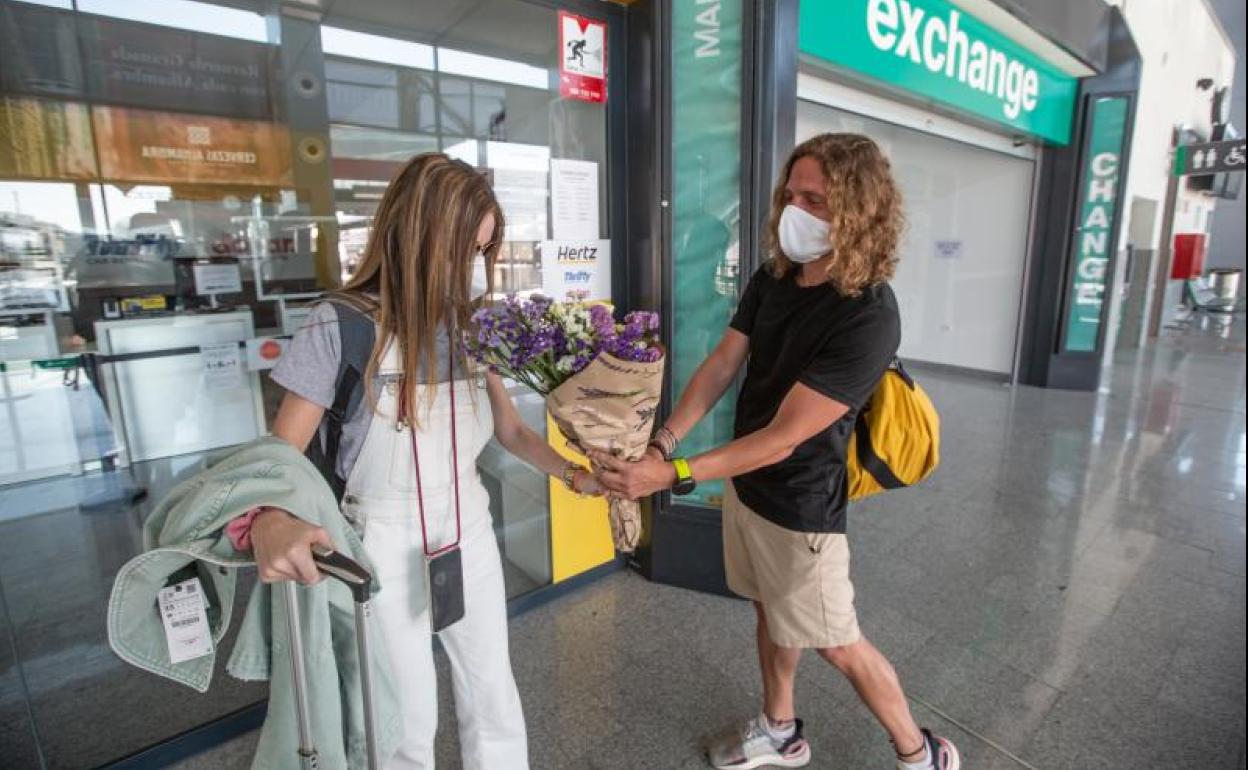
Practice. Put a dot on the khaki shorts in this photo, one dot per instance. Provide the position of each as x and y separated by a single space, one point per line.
800 578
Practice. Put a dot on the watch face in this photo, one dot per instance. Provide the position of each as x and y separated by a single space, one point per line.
684 487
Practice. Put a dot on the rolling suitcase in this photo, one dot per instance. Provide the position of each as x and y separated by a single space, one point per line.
356 578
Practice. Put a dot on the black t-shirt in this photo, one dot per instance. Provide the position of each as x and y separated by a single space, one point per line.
836 345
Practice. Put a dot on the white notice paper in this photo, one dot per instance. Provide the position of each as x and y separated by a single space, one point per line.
573 199
186 623
223 366
578 270
948 249
218 279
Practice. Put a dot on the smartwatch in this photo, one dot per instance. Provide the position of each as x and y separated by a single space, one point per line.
685 483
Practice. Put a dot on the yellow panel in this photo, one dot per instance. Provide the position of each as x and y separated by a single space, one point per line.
580 535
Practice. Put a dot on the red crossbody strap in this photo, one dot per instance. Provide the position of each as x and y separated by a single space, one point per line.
405 417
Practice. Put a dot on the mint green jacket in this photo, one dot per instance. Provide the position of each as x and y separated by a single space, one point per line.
185 537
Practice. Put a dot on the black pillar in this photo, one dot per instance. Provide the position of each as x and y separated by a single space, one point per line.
1044 362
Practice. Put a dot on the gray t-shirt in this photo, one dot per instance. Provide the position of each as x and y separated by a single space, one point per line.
309 368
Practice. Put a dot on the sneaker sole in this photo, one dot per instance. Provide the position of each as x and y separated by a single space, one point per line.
801 760
955 759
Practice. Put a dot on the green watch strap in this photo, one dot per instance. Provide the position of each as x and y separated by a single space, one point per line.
682 469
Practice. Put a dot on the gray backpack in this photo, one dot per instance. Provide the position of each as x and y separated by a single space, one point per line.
357 334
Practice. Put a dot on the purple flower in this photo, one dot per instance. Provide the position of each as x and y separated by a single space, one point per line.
541 343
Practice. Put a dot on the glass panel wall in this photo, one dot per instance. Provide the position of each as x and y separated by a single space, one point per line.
170 199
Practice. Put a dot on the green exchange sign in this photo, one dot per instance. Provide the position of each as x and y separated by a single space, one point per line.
932 48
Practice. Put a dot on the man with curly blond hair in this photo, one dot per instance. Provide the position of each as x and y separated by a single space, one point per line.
816 329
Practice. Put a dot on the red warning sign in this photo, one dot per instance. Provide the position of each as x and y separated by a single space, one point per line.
582 58
264 352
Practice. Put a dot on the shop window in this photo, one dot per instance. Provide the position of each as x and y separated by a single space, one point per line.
176 218
374 144
386 50
184 14
362 94
493 68
455 103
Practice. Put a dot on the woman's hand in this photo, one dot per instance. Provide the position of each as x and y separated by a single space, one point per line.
585 483
282 544
633 480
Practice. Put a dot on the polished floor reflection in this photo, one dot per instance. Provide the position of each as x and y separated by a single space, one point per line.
1067 592
66 701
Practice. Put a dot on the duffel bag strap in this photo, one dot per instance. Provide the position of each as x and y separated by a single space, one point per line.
870 461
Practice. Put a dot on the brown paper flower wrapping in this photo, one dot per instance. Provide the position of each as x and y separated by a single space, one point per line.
610 406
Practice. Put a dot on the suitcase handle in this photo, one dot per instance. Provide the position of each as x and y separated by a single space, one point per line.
360 581
344 569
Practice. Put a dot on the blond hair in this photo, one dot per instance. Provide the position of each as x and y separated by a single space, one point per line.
414 277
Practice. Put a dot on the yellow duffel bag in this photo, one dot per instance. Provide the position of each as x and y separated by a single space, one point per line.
896 440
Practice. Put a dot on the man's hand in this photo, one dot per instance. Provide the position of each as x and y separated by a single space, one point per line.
586 483
633 480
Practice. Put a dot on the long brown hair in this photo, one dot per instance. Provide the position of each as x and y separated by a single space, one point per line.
864 210
414 277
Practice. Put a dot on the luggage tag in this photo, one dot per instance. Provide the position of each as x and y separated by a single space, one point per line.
183 613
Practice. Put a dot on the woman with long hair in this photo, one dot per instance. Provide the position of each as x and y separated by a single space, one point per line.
406 458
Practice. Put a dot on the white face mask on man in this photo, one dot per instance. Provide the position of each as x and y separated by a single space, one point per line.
480 278
804 237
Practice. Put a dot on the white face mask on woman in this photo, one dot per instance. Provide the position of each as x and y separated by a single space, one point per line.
804 237
480 279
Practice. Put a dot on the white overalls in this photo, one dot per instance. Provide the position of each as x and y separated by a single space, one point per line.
381 493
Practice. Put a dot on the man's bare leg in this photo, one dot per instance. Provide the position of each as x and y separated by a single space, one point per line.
778 666
876 682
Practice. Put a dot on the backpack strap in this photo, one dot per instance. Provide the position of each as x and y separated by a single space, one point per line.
901 371
870 461
357 335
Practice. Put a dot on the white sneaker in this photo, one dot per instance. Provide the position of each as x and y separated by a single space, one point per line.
941 753
752 746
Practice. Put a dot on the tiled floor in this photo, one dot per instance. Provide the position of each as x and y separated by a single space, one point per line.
1067 592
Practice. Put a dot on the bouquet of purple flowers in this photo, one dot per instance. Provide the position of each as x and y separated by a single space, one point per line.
601 379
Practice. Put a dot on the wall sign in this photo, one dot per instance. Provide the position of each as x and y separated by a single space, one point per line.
126 64
138 145
948 249
1097 215
932 48
1209 158
76 55
577 270
217 279
582 58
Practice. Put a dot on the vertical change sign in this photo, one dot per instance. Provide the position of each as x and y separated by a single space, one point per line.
1097 214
